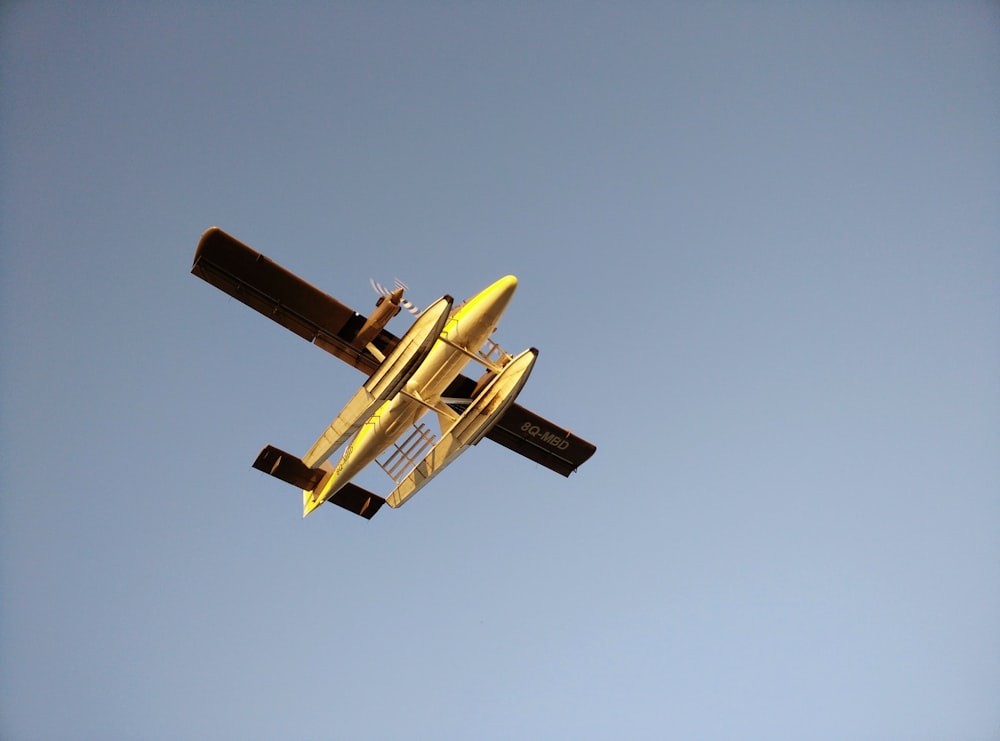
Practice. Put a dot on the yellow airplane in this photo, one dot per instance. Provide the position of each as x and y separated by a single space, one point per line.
407 377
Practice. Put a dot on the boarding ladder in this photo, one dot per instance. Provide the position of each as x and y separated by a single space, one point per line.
406 454
494 356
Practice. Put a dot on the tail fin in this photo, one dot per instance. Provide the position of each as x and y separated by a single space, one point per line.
292 470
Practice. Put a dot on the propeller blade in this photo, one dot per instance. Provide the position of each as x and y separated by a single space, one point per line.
400 285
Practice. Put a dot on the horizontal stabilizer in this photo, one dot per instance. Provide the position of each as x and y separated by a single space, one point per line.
288 468
357 500
291 470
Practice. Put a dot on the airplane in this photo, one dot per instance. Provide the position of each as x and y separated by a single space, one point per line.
408 377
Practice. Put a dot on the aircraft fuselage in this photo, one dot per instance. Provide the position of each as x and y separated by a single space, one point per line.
464 333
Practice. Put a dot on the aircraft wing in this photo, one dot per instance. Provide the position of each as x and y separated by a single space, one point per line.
278 294
534 437
282 296
531 435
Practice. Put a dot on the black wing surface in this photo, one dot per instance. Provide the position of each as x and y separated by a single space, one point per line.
534 437
278 294
531 435
282 296
292 470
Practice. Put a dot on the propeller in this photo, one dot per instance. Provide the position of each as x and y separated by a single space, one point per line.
400 287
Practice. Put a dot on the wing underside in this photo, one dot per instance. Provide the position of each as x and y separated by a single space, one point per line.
282 296
531 435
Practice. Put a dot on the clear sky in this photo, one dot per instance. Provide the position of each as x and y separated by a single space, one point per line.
758 247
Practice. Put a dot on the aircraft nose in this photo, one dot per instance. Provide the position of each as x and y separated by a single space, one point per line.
499 294
472 324
504 287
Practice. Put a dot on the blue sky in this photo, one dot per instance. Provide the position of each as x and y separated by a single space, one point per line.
757 247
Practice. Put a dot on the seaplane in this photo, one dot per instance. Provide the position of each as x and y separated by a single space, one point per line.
407 378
